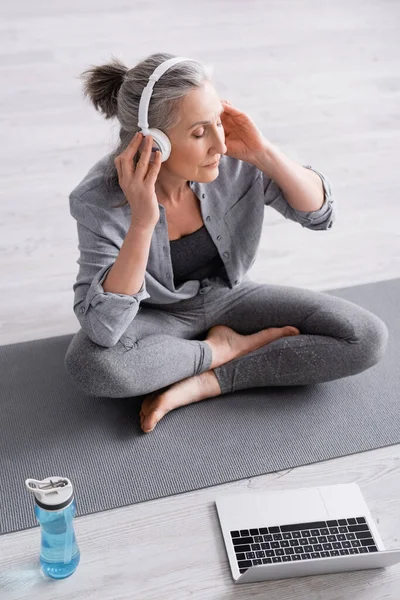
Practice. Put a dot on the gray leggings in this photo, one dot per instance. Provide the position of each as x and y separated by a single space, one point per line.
165 344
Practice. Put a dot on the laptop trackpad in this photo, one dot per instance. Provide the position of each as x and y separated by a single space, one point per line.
291 506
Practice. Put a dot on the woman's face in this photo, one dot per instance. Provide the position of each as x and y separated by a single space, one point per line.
193 147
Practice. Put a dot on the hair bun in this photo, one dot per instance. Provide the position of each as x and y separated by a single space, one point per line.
102 84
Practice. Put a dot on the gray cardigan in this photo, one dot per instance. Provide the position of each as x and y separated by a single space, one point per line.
232 207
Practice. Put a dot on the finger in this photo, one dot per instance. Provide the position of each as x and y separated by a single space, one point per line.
155 167
145 153
132 147
118 167
229 108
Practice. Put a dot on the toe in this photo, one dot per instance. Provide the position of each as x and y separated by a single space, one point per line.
148 425
153 418
290 330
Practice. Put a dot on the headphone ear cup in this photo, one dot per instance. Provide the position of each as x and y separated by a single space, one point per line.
162 141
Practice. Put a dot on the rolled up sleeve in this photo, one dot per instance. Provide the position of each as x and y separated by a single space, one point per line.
323 218
104 316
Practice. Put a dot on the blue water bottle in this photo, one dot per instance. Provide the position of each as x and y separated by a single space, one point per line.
55 509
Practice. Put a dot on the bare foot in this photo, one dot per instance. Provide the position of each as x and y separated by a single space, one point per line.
192 389
228 345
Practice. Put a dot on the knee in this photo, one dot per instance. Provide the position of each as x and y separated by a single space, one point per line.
87 364
372 339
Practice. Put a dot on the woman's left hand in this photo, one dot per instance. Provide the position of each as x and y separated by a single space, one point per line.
243 139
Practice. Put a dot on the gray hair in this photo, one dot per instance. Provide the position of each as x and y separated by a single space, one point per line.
115 91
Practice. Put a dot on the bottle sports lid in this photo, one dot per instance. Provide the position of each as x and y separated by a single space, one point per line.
52 493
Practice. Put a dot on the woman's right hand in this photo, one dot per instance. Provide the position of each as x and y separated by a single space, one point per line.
138 182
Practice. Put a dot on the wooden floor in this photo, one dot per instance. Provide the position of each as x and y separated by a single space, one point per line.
322 81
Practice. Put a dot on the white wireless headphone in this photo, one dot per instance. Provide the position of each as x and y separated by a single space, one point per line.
159 137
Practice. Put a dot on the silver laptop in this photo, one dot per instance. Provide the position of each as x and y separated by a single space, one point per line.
305 531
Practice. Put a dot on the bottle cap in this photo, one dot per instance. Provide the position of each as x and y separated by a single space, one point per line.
52 493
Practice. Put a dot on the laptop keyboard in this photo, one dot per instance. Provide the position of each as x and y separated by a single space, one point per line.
302 541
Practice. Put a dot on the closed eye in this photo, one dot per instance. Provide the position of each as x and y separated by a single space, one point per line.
203 134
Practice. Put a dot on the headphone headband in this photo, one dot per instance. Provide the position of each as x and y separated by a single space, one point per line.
146 94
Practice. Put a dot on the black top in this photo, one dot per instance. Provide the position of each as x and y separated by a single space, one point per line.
195 256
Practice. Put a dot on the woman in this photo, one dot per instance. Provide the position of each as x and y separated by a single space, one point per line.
162 295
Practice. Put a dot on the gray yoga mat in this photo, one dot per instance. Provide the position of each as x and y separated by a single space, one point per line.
48 427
